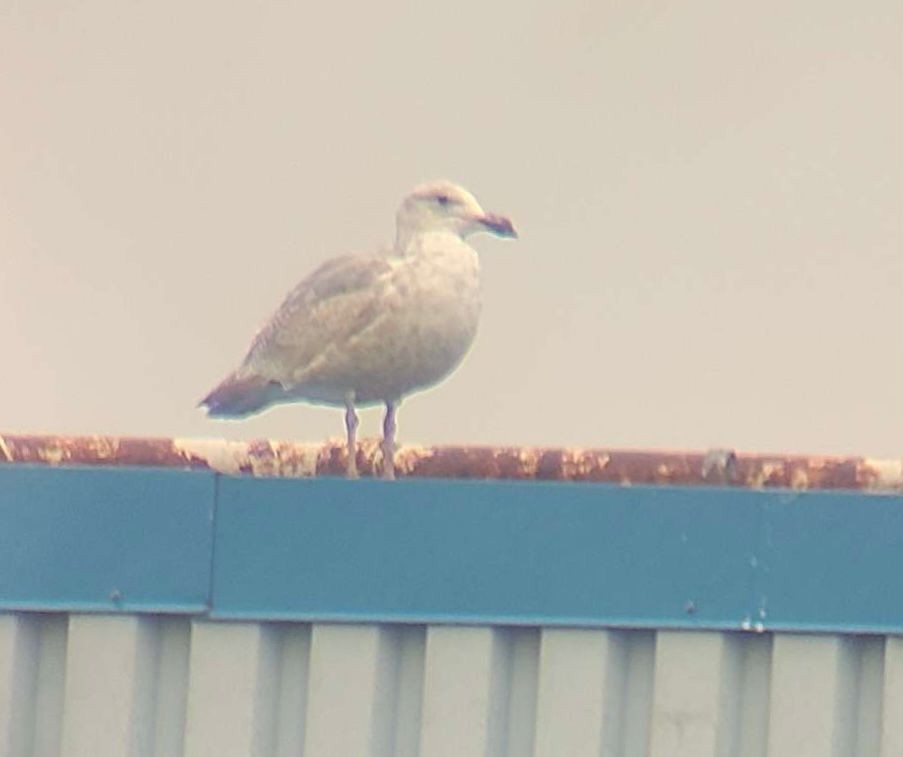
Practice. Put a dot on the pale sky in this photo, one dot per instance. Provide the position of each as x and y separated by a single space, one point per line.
709 197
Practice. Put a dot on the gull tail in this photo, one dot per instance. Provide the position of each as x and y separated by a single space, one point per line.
239 395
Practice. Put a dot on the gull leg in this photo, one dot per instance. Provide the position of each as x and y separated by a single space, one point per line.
388 442
351 423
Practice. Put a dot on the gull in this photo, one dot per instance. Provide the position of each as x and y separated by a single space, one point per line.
371 329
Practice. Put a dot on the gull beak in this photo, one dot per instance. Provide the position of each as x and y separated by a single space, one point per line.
498 225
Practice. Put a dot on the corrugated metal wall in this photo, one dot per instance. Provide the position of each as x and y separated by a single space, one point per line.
114 686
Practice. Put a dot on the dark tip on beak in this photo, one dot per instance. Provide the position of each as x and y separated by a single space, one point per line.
498 225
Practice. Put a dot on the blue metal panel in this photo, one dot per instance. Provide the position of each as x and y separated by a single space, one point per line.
105 539
501 552
144 540
832 560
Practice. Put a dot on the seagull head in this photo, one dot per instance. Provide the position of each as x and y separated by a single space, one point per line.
445 206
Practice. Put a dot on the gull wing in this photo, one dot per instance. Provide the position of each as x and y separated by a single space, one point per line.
337 301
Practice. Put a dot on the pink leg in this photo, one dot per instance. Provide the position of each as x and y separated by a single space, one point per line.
351 423
388 442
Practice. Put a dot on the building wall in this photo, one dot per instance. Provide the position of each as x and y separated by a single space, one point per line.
80 685
183 613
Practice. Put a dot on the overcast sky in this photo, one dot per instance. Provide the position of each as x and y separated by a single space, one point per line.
709 196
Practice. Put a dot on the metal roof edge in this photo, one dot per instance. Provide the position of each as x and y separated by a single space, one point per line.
265 457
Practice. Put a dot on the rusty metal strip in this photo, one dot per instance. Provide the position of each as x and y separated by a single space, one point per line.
277 458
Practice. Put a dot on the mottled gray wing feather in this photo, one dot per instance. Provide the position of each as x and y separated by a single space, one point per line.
328 308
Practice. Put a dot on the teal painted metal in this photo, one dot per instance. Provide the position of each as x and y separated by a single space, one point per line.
499 552
105 539
831 562
519 553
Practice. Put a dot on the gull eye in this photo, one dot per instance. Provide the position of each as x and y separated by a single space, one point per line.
443 200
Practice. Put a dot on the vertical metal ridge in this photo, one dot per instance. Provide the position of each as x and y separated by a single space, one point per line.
53 643
847 695
892 698
171 686
692 716
386 686
616 702
409 699
352 690
267 687
582 692
110 667
814 696
291 706
233 675
753 690
640 683
514 664
522 691
871 688
145 686
32 677
500 664
19 650
457 691
729 694
858 711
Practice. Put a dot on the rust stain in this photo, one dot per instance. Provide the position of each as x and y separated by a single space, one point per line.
263 457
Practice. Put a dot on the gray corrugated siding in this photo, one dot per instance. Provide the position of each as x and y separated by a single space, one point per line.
105 686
